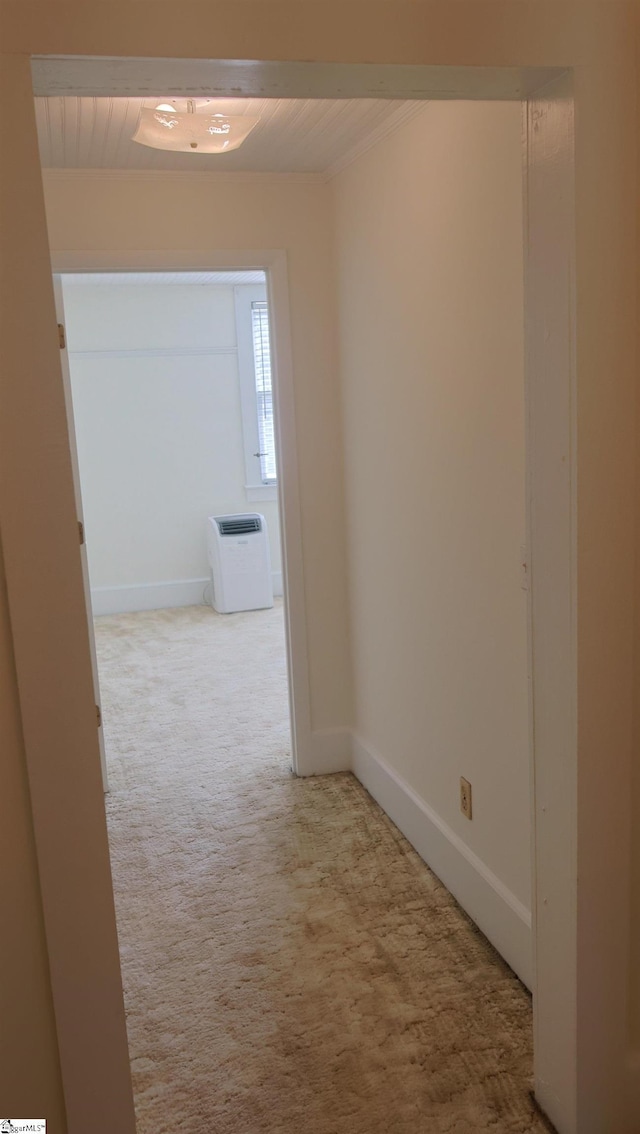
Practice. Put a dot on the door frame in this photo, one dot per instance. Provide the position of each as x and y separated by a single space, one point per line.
274 264
551 515
77 487
551 421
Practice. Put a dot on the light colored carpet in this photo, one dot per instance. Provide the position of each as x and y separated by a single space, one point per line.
290 964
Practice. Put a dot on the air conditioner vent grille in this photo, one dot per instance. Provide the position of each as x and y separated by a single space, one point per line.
239 525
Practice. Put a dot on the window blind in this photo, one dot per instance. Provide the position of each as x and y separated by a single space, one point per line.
264 393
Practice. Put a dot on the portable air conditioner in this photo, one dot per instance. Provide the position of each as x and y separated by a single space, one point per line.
240 562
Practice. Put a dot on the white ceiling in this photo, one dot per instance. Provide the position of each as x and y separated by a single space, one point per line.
292 136
108 279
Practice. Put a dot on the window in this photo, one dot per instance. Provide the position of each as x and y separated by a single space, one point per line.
264 395
256 393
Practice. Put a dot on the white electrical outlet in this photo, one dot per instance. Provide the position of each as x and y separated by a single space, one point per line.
465 798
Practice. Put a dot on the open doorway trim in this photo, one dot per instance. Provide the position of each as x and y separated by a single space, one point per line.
66 876
274 263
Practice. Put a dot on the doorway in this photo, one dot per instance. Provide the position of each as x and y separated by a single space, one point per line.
563 549
170 402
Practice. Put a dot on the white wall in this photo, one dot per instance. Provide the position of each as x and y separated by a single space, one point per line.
429 258
154 375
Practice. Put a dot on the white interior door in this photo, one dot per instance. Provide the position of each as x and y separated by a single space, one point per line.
66 378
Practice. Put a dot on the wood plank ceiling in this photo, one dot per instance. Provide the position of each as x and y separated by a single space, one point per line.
292 136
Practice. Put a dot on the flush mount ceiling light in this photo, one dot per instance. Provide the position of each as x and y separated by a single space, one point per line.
189 130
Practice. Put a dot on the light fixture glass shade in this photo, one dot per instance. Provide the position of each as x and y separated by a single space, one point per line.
192 133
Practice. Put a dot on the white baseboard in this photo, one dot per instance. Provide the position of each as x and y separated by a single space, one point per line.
147 596
497 912
157 596
329 751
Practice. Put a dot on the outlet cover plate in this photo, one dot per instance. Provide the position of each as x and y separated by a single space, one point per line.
465 798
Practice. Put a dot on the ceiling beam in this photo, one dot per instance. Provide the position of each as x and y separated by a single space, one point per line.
101 77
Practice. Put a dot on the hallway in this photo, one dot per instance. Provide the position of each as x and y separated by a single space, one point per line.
289 962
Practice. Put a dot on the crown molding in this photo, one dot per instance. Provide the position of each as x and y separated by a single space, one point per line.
394 122
199 177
